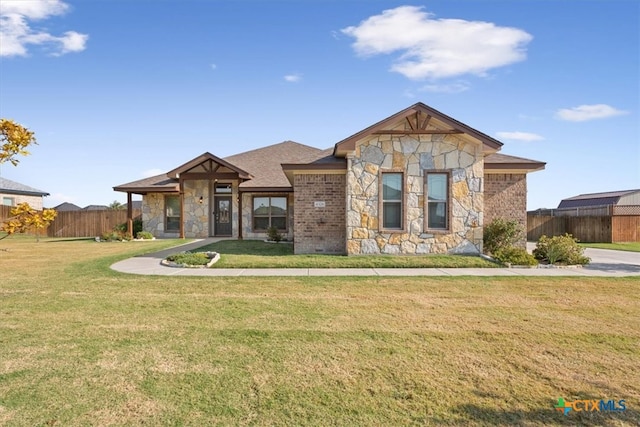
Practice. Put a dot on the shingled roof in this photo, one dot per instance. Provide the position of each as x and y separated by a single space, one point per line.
11 187
504 163
263 164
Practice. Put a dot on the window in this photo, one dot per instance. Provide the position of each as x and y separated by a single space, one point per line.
392 201
269 212
223 189
8 201
437 200
172 213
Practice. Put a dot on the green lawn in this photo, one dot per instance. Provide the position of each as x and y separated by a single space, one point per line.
260 254
631 247
82 345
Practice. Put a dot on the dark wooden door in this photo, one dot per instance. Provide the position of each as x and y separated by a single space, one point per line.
222 216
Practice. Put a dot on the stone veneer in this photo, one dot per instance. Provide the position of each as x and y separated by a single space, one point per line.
197 217
414 155
505 196
319 220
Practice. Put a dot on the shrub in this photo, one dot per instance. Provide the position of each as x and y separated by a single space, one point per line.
144 235
515 256
501 234
560 250
274 234
189 258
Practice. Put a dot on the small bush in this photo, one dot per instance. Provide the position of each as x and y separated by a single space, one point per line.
144 235
501 234
515 256
560 250
274 234
189 258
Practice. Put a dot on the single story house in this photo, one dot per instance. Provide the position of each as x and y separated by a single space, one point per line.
13 193
417 182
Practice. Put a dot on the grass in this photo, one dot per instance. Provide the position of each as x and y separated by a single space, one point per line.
84 345
631 247
259 254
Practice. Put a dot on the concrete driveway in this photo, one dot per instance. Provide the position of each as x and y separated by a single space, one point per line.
608 261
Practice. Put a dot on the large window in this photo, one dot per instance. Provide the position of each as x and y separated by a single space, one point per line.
8 201
269 212
172 213
437 191
392 201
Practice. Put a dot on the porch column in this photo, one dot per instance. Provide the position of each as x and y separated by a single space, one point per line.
181 208
130 214
239 215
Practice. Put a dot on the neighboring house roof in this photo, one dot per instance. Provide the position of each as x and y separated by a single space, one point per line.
595 199
503 163
11 187
432 119
95 208
67 207
136 204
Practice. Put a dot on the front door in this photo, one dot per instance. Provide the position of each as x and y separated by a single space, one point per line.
222 216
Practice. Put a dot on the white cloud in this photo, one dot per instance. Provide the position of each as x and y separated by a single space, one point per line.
584 113
152 172
437 48
519 136
293 78
17 31
456 87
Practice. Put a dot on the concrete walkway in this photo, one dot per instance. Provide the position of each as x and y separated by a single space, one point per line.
605 263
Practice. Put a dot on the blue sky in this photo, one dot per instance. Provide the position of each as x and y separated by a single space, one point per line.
119 90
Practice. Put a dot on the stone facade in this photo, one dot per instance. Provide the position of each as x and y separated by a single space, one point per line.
319 219
413 155
153 215
197 216
506 197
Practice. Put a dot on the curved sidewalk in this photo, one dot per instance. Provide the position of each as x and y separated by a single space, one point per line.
605 263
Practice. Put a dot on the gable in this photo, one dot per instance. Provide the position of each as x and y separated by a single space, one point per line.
419 119
207 163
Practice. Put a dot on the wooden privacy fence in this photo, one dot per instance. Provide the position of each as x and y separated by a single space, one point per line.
80 223
588 229
87 223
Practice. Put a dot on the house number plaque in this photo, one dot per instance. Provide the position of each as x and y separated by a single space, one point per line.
320 204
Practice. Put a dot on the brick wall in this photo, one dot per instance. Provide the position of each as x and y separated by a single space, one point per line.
319 229
505 196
